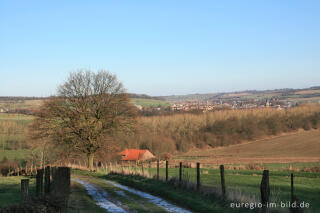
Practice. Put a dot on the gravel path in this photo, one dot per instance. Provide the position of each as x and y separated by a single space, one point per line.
153 199
101 197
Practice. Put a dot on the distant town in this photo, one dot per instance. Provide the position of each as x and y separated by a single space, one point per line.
193 103
279 99
208 106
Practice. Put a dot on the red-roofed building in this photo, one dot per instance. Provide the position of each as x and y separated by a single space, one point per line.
136 155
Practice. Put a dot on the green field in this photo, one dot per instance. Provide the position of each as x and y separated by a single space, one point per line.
20 104
13 129
34 104
149 102
10 190
15 117
245 184
19 154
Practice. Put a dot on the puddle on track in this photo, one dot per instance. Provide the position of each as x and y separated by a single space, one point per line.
153 199
100 197
121 193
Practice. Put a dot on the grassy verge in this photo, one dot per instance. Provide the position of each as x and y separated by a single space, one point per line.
10 190
247 183
290 166
80 201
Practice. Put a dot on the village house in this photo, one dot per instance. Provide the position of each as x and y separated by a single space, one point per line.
136 155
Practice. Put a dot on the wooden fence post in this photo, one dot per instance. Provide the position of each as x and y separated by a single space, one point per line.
167 172
198 176
47 180
53 172
223 183
136 169
265 190
292 189
122 171
180 173
106 167
24 189
39 182
158 169
142 168
293 197
110 167
61 186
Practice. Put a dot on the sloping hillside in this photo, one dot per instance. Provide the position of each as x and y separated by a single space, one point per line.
301 146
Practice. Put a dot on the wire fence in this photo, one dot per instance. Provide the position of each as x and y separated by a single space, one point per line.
255 185
251 185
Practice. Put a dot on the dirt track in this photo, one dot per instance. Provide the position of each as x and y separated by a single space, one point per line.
118 198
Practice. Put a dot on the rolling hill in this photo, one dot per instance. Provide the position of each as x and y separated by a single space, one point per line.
301 146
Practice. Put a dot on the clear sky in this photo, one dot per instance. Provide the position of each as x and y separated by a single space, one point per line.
160 47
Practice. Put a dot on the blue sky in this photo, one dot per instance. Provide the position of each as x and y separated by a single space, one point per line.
160 47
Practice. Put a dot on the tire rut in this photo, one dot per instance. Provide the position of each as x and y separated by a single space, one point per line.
100 196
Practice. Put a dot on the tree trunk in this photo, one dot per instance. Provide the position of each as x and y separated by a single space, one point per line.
90 161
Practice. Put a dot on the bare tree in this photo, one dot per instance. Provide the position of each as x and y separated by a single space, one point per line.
89 110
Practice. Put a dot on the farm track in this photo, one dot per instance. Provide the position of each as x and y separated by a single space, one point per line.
118 198
101 197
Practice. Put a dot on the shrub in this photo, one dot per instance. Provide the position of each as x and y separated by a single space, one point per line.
4 169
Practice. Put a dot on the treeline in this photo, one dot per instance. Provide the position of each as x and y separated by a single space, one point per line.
19 98
7 165
181 132
144 96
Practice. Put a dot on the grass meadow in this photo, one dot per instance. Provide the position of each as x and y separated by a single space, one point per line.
244 185
149 102
13 105
10 190
13 130
35 104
